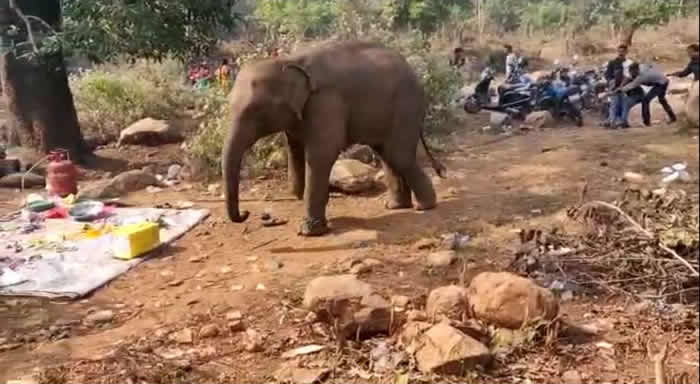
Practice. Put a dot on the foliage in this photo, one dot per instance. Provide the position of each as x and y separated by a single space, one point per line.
547 15
106 29
111 97
300 18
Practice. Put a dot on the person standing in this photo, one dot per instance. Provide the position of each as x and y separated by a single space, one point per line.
223 75
648 76
694 65
615 76
511 61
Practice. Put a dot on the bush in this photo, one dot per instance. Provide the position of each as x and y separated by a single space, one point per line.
111 97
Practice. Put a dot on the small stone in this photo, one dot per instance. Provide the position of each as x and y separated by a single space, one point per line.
225 270
213 189
237 288
260 287
425 243
442 258
446 350
174 172
100 317
400 301
296 375
571 377
209 330
447 302
633 177
310 318
234 315
567 296
236 326
253 341
185 336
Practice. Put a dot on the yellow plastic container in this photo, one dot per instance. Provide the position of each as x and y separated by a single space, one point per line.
131 241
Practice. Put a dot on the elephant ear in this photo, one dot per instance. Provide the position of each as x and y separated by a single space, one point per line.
298 95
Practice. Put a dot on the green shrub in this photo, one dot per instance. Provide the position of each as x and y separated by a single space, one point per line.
111 97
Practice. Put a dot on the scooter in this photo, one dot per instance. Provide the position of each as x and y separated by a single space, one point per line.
515 100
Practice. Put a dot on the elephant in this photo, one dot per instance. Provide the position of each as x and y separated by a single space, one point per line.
326 98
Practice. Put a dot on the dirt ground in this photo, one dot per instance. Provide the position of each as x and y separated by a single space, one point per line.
495 186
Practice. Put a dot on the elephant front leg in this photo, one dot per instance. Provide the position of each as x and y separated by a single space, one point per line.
296 167
318 171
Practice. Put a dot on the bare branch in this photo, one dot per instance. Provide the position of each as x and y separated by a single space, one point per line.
646 233
27 24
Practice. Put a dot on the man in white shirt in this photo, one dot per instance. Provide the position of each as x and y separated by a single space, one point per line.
511 61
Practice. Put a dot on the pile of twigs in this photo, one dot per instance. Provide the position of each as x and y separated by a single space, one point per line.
645 245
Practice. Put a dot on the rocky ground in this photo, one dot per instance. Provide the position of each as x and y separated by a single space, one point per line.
520 275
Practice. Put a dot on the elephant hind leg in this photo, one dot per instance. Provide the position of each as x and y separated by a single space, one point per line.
422 187
399 191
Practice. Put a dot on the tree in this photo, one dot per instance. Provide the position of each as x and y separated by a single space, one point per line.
34 79
152 29
634 14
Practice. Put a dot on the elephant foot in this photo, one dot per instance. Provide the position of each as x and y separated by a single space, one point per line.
394 205
425 207
313 227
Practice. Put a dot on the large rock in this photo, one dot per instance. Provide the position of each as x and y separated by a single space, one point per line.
540 120
499 122
150 132
361 153
447 351
447 302
679 87
130 181
692 114
510 301
349 302
352 176
27 158
14 180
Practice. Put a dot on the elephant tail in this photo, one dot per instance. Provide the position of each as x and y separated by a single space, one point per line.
437 166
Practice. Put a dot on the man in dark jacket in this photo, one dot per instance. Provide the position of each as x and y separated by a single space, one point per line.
617 64
694 65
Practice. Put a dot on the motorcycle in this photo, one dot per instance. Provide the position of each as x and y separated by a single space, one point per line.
560 100
514 100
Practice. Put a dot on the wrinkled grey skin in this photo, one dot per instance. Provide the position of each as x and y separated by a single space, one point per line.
325 99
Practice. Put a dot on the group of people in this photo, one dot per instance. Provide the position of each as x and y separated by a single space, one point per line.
200 76
626 90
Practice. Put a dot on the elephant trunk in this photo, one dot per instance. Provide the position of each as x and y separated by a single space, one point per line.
234 148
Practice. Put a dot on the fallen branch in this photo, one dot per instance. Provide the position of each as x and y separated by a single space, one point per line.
659 360
646 233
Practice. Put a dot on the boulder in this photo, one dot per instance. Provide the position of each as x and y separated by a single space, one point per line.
447 351
509 301
14 180
27 158
499 122
150 132
352 176
410 336
362 153
277 159
441 259
130 181
349 302
540 120
447 302
692 113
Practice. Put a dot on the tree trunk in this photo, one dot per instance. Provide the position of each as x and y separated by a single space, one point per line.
627 34
41 111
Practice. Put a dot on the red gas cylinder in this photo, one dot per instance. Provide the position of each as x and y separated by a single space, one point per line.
61 174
